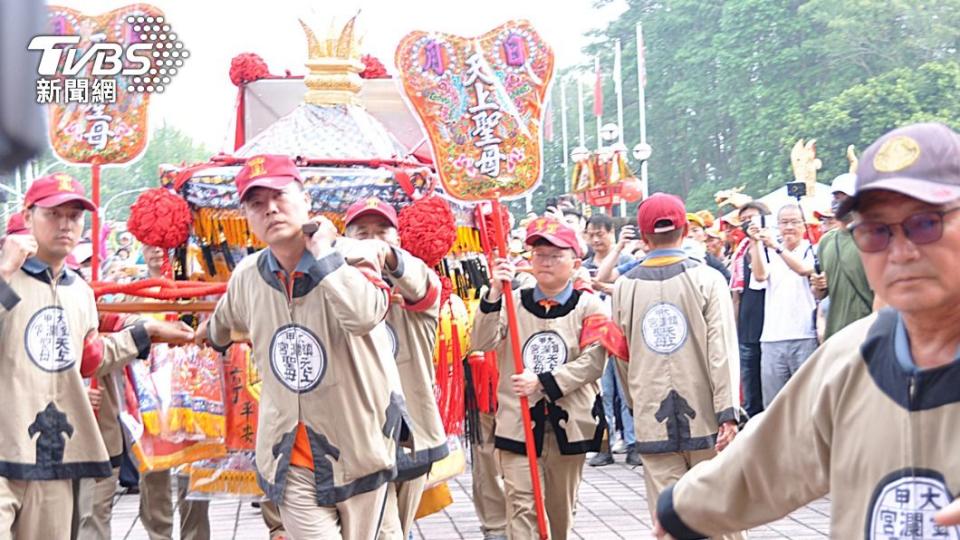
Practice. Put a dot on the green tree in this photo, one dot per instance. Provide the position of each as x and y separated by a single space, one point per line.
860 114
166 145
732 85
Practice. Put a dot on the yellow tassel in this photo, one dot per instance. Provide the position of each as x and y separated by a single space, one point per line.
434 500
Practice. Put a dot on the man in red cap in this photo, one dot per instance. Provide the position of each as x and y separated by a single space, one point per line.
48 344
17 225
329 418
683 373
566 336
412 327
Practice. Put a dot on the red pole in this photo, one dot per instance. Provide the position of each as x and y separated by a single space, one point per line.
518 367
95 230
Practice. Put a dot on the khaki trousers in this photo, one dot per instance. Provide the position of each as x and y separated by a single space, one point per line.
357 518
156 509
271 518
559 481
403 498
663 470
489 499
95 506
34 509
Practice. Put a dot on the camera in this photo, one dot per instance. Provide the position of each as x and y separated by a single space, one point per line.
796 189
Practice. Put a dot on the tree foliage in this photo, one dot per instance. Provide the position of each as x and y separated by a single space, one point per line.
167 145
732 85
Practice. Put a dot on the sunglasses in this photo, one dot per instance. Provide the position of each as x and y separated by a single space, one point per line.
922 228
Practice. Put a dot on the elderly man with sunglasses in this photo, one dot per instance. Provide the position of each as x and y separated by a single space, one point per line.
871 417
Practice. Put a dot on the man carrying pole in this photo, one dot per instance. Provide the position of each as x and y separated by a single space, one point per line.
563 357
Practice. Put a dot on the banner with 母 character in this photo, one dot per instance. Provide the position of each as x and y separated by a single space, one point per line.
480 101
95 114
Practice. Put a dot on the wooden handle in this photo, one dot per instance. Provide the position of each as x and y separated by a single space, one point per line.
157 307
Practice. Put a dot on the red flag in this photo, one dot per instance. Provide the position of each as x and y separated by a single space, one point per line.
597 89
548 122
600 329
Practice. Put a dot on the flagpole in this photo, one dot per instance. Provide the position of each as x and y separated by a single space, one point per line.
641 82
598 103
583 138
618 88
563 127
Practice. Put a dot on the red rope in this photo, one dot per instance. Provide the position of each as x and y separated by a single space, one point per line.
160 289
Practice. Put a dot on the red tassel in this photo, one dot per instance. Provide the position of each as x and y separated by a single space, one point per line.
455 407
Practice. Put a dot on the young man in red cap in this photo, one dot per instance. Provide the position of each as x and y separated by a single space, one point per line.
329 419
48 344
412 327
682 377
566 336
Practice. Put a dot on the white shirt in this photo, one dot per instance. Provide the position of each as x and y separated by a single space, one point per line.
789 303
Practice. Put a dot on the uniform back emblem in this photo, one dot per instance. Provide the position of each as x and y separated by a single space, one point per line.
903 506
544 352
664 328
47 340
297 358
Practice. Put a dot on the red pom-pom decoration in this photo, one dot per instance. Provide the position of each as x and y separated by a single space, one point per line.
247 67
427 229
373 68
160 218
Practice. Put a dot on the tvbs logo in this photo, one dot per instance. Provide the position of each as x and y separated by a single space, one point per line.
108 59
146 64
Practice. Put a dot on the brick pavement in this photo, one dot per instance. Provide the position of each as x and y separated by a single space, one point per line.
612 505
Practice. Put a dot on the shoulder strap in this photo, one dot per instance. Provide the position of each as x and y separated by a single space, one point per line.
836 245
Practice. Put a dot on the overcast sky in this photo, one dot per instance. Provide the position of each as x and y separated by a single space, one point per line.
201 98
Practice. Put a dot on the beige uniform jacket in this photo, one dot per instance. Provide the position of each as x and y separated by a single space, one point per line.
550 345
48 427
322 366
682 379
855 422
413 330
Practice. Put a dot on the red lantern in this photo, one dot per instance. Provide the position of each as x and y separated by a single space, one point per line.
631 190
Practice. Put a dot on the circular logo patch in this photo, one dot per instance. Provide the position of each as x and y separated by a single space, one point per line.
47 340
394 340
297 358
904 508
896 154
664 328
544 352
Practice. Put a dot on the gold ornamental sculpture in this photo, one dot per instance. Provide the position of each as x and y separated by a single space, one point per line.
805 164
334 66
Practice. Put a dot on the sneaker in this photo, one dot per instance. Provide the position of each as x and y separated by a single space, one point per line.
633 457
601 459
494 536
619 447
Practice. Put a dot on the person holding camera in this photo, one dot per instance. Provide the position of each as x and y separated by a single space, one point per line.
789 336
749 296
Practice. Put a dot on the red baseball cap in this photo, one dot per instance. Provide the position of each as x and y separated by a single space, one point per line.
269 171
16 224
660 213
54 190
555 232
371 206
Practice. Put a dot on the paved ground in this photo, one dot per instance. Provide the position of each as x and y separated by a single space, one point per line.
612 505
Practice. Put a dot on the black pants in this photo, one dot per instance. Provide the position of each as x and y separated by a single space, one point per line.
750 378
